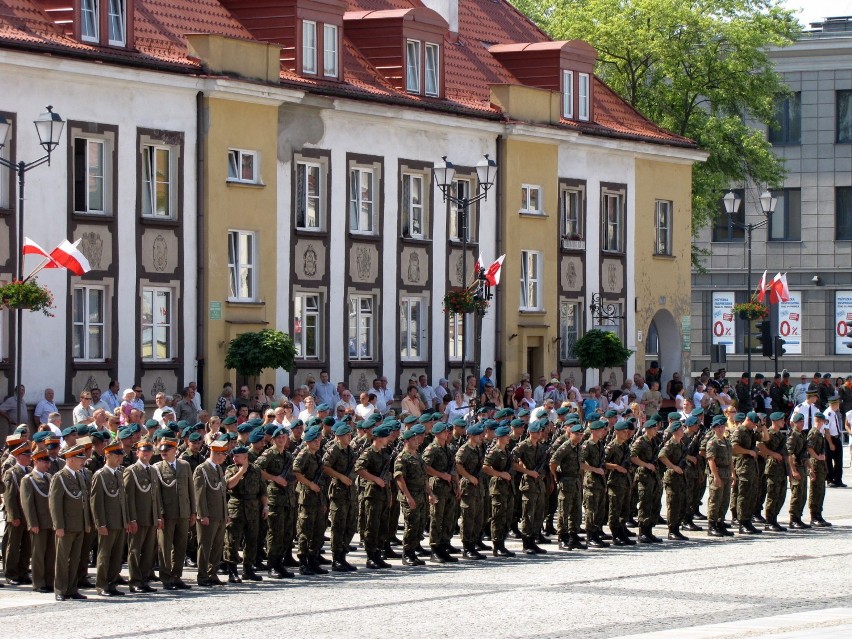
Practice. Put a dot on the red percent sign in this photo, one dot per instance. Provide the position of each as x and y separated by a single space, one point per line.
719 329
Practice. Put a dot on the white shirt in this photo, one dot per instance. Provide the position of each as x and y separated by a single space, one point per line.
384 398
697 397
454 411
196 401
808 410
363 412
305 415
640 391
799 391
834 422
440 392
538 394
43 409
427 394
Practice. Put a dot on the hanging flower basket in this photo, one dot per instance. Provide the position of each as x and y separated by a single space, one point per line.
754 309
28 295
461 300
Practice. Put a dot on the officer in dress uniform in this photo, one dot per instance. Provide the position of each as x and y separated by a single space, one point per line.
211 503
16 541
109 511
35 488
143 511
177 510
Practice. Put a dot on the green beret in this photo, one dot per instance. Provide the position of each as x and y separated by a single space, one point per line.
577 428
651 423
41 435
229 420
256 421
460 422
752 416
657 417
328 421
100 435
152 423
490 424
83 429
475 429
257 435
341 430
312 433
573 418
592 417
796 418
425 417
394 425
517 423
622 425
438 428
523 412
194 437
597 425
281 430
323 408
627 412
739 417
503 412
697 412
563 410
186 431
239 450
673 416
381 431
534 427
719 420
125 433
502 431
674 427
408 434
437 416
313 421
199 426
297 424
21 429
692 420
610 413
183 424
70 430
409 419
820 416
245 427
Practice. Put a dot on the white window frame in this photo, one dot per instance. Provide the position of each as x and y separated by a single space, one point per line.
584 93
303 314
610 197
661 230
150 181
572 225
569 335
304 196
236 166
90 20
432 69
411 208
412 66
156 324
362 321
87 324
412 312
329 51
531 281
531 199
455 210
567 94
93 175
239 264
309 47
358 221
117 22
455 339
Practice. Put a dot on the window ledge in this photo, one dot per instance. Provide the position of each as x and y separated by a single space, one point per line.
362 363
310 232
89 365
459 243
784 241
160 364
365 237
245 303
533 214
616 253
92 217
6 211
251 185
425 241
663 256
531 312
155 221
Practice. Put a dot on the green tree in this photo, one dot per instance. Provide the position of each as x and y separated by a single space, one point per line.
601 349
698 68
251 353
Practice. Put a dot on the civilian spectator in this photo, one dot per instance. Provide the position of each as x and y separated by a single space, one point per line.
126 405
310 409
242 414
491 396
97 399
653 398
83 412
527 400
185 409
325 392
346 400
269 392
411 403
285 395
442 391
244 399
54 423
654 374
160 402
799 390
456 408
111 398
592 403
639 387
138 398
426 392
225 401
572 393
45 407
674 386
366 406
698 395
385 397
9 407
196 396
487 376
538 393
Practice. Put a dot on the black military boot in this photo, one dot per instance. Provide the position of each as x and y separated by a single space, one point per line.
616 537
288 560
699 515
525 544
452 550
500 550
249 574
654 538
481 546
349 567
372 564
712 530
259 565
315 565
798 524
437 557
576 542
409 558
625 537
389 553
541 539
337 563
322 561
278 571
233 575
773 525
305 567
758 518
675 534
445 551
564 541
470 552
747 528
645 535
420 551
632 523
514 533
548 527
594 540
690 525
819 522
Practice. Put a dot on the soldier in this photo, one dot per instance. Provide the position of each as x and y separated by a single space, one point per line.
719 458
797 454
371 468
498 466
692 472
440 467
816 450
775 472
414 493
673 457
642 456
565 469
57 462
339 465
34 500
392 515
143 511
594 483
275 467
69 511
310 526
177 510
16 541
530 457
468 466
617 462
247 503
211 503
744 447
109 511
192 455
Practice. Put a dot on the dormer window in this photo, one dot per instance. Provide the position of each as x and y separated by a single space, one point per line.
568 94
427 57
412 66
583 110
433 61
309 46
89 20
117 22
329 57
103 22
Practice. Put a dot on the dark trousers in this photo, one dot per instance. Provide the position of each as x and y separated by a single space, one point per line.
834 461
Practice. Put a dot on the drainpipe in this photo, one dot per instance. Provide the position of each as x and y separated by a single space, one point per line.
201 253
499 347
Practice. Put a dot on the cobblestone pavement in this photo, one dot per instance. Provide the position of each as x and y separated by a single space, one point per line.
790 585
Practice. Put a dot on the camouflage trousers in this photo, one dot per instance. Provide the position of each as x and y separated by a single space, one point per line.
816 493
570 511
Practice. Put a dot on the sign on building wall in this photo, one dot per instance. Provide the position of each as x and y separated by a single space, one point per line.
790 323
842 314
724 331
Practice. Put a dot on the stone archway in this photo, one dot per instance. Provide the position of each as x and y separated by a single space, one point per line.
665 332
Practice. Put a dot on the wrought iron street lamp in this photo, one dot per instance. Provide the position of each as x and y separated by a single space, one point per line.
49 126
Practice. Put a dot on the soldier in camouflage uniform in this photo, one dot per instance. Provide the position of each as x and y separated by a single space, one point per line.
817 449
247 503
692 472
565 469
775 471
498 466
594 482
371 467
744 446
310 526
276 469
339 465
799 459
643 456
530 460
717 452
414 493
441 468
394 448
673 457
617 462
469 466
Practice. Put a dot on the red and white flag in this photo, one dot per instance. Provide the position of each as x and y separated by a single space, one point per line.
492 274
480 263
762 287
31 248
70 257
779 292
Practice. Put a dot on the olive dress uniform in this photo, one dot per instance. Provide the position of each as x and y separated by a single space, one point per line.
34 502
143 507
310 526
211 502
472 516
16 542
719 497
569 519
109 510
816 492
177 504
797 454
411 467
342 499
244 512
69 510
442 514
194 460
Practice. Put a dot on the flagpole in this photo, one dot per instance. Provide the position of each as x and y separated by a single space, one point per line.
38 268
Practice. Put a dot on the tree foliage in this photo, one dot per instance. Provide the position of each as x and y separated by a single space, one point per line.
601 349
251 353
698 68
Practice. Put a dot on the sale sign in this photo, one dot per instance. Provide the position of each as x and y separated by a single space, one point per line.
790 323
842 314
724 332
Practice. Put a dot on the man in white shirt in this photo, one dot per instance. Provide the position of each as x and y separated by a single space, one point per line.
442 391
809 407
111 397
426 392
385 395
538 393
639 387
800 390
197 398
45 407
54 422
83 412
834 454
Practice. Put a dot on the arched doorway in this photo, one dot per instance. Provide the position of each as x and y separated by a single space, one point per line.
663 345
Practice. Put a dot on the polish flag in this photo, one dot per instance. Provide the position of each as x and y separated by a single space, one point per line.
31 248
492 275
70 257
762 288
779 292
480 263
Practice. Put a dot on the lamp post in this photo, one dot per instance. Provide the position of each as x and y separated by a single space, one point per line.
49 126
767 207
443 175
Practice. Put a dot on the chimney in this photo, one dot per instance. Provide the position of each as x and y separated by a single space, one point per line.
448 10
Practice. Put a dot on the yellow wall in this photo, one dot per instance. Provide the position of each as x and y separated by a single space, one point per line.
525 162
254 127
663 277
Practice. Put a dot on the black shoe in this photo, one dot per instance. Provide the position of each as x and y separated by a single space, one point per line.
632 523
337 564
60 597
437 557
142 588
548 528
699 515
675 535
394 541
796 523
775 527
189 562
445 553
390 553
470 552
515 533
77 596
289 561
13 582
593 539
645 535
259 566
170 587
305 568
43 590
500 550
349 567
662 521
604 536
233 575
315 564
526 546
120 581
486 536
452 550
322 561
616 541
840 484
480 546
251 575
622 533
420 551
819 522
713 531
372 564
691 526
758 518
628 532
748 530
576 542
106 593
204 583
86 583
564 541
182 585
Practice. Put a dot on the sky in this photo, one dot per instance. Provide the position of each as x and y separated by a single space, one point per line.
813 10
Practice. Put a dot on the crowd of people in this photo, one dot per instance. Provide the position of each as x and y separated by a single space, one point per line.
256 484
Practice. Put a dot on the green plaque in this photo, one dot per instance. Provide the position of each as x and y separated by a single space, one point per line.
215 310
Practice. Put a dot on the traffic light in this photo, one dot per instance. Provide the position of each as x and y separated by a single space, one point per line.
778 346
764 336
